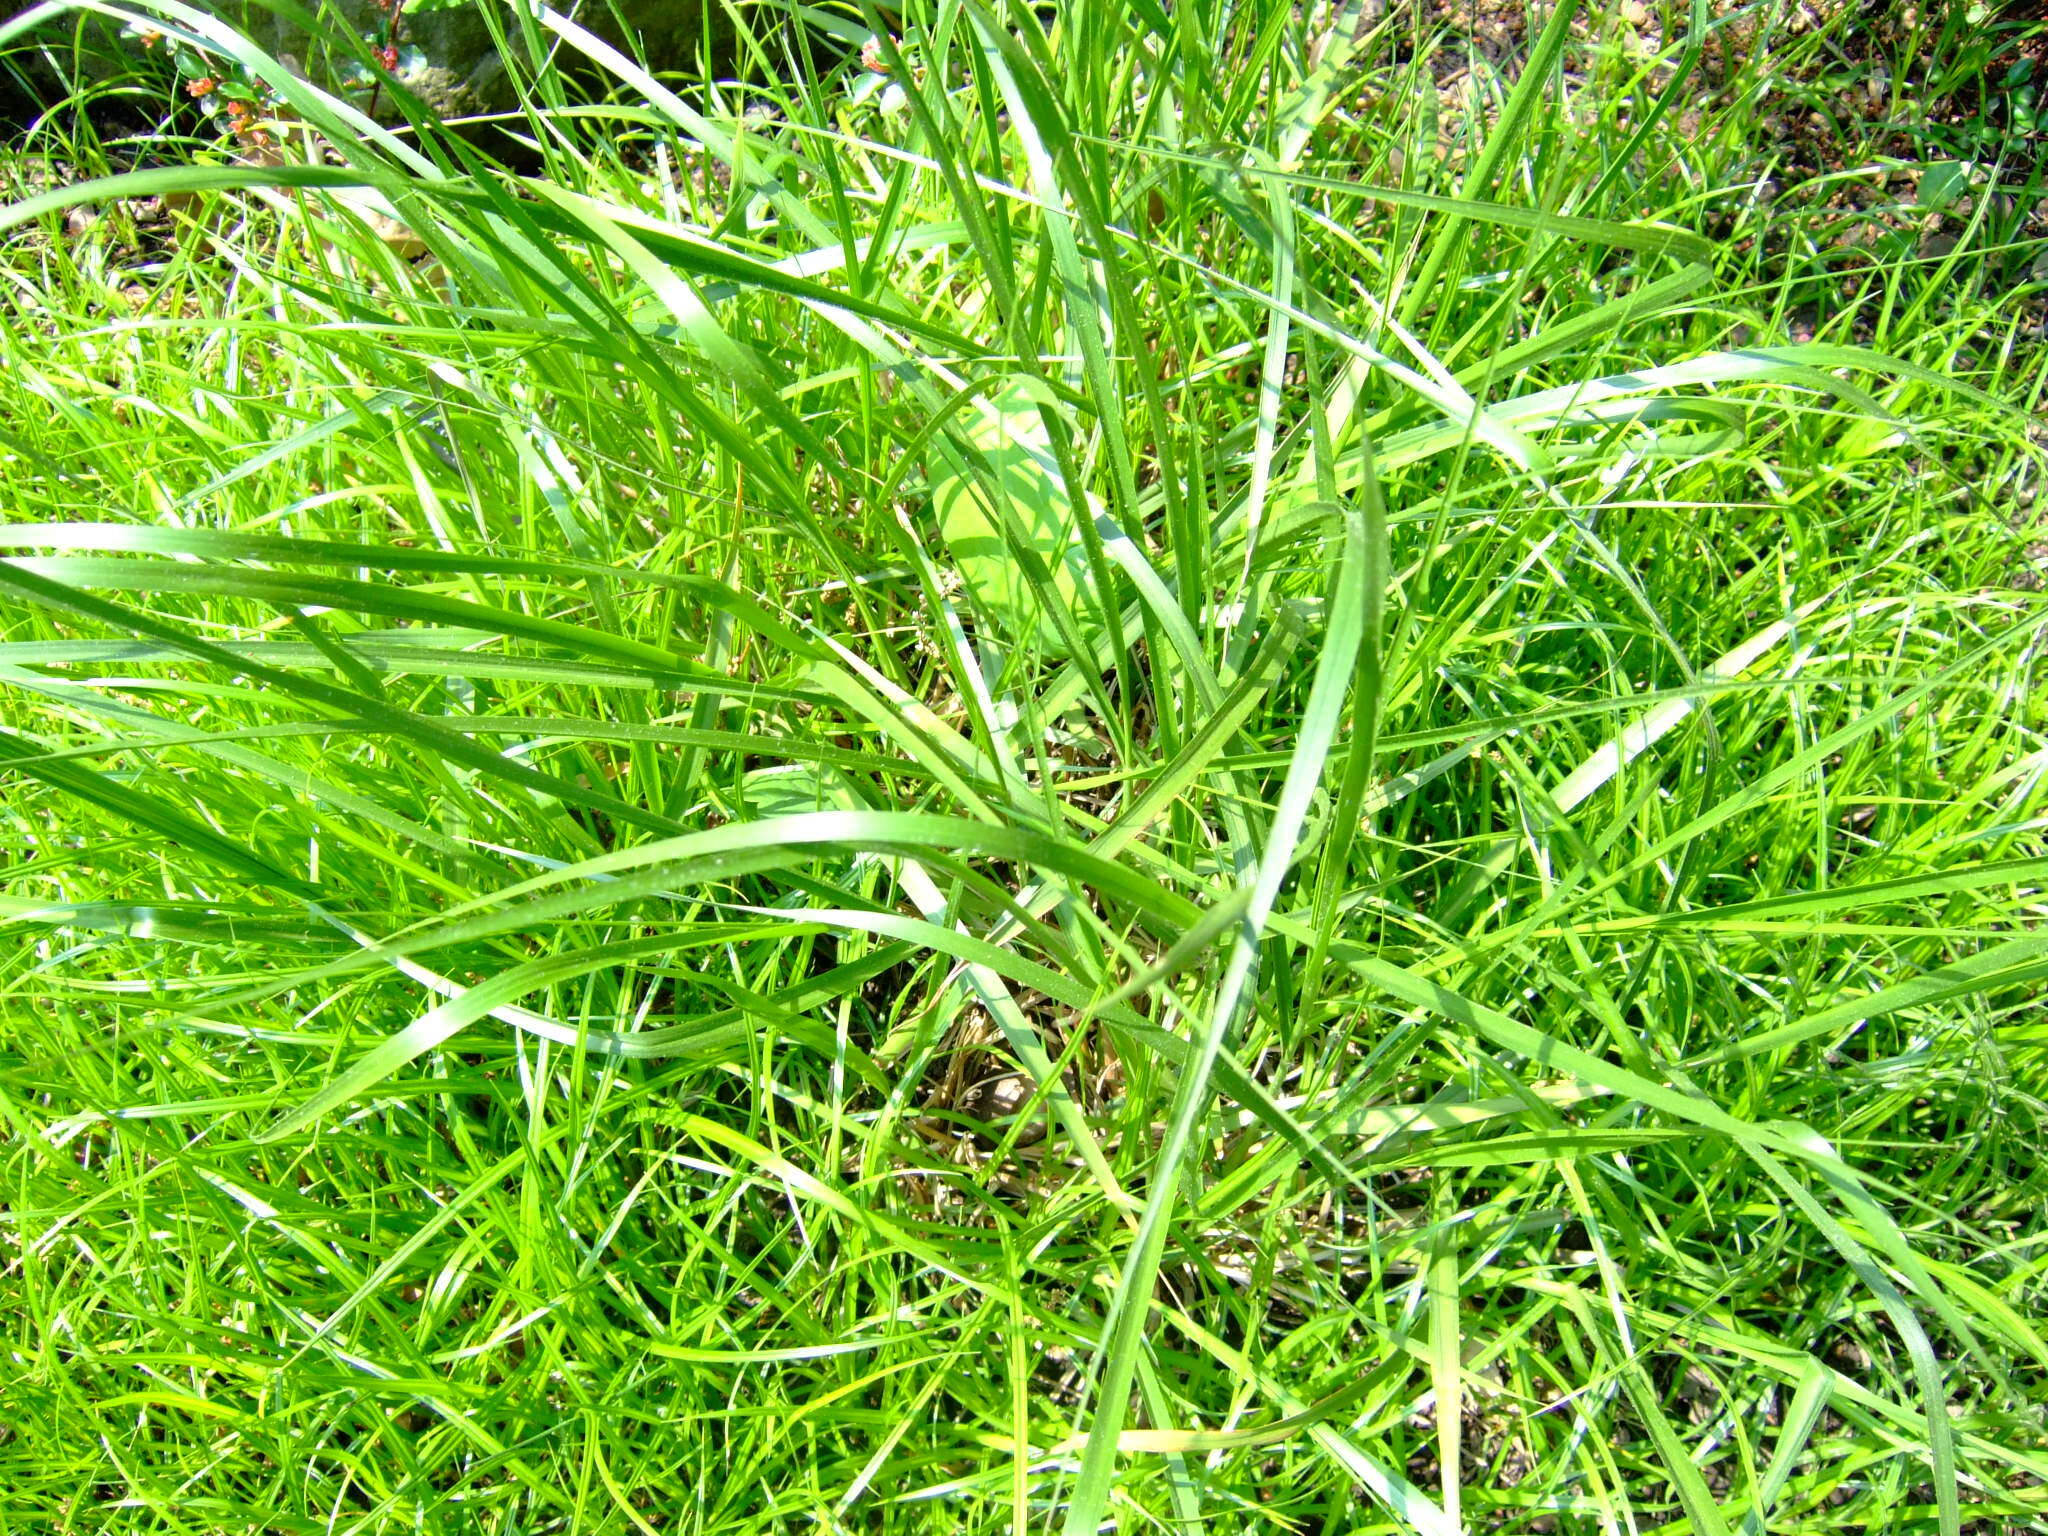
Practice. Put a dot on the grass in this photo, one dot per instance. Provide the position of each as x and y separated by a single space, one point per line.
1221 766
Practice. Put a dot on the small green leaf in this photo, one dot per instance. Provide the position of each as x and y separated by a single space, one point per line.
1008 431
1943 181
789 788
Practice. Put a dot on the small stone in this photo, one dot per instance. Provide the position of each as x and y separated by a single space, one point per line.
266 153
404 244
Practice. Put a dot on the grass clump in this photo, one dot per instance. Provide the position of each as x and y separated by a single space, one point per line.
1235 764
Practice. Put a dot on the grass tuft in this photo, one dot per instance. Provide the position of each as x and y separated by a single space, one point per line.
1104 769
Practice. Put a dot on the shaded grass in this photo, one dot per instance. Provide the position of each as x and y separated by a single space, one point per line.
572 973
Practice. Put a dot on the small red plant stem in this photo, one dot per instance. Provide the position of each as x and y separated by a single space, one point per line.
393 19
